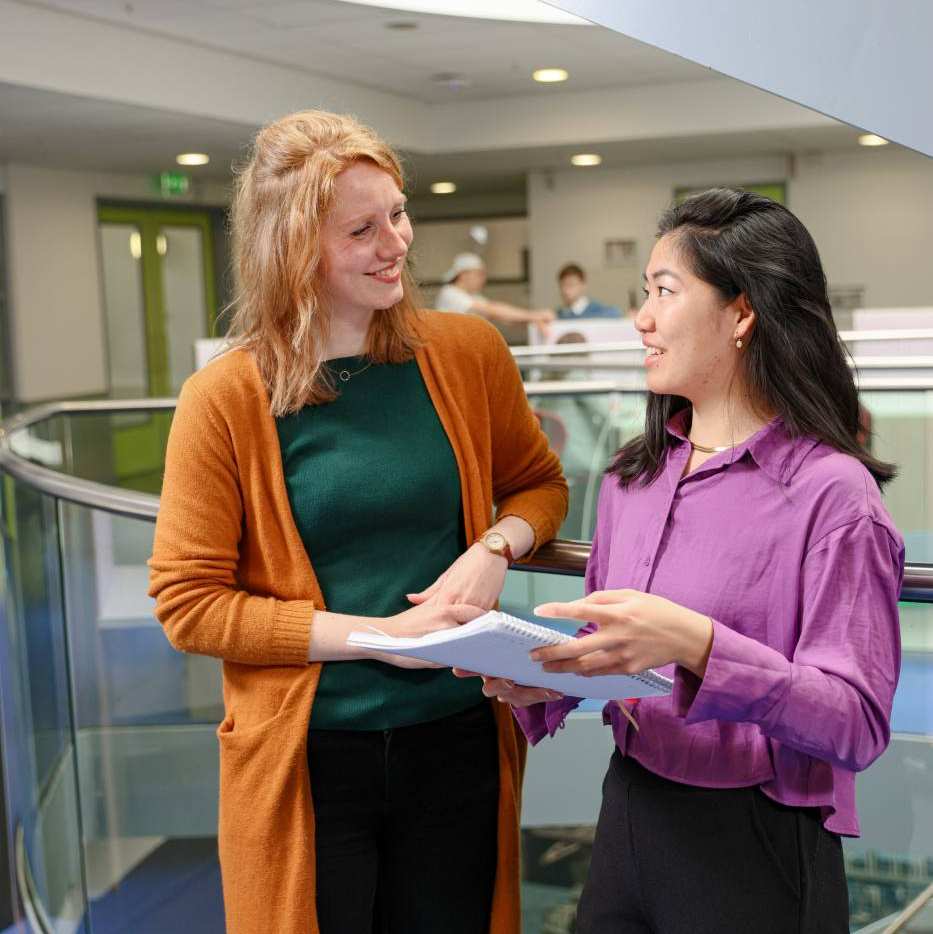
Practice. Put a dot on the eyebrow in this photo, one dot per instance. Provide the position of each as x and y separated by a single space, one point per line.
359 218
662 272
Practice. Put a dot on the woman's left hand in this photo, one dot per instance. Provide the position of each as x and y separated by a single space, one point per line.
476 578
635 631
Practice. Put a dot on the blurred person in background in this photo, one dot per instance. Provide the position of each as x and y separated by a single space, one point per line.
576 303
462 293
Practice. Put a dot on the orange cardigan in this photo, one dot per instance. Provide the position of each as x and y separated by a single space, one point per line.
232 579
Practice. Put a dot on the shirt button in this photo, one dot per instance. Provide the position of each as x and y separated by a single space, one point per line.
647 561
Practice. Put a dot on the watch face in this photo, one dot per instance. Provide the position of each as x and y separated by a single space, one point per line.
495 541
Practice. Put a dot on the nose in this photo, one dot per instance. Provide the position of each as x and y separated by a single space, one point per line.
392 243
644 320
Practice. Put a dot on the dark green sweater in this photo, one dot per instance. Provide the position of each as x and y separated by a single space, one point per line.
360 472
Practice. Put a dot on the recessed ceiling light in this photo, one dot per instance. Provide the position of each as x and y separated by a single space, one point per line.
402 25
550 75
443 188
192 158
586 158
870 139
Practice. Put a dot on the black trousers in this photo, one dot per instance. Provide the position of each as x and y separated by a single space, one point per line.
677 859
406 826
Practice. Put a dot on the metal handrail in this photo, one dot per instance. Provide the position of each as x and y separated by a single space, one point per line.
556 557
580 387
581 358
911 911
531 350
36 915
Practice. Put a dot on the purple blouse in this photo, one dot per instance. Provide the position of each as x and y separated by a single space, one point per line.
786 545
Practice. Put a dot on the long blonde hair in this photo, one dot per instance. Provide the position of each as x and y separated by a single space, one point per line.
282 197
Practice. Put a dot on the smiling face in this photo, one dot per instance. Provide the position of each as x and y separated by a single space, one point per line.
688 328
364 242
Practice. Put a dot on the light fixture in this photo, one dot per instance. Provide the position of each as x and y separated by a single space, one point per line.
402 25
550 75
870 139
192 158
586 158
443 188
161 244
136 245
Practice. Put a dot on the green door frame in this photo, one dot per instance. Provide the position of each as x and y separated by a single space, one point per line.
149 222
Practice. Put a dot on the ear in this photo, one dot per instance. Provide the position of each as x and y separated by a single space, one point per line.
745 317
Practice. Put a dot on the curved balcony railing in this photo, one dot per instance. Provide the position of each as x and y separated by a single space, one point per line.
108 734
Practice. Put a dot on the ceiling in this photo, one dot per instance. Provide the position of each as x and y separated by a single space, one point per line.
351 41
354 42
47 128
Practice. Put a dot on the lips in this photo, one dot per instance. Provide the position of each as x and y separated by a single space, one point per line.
388 273
654 351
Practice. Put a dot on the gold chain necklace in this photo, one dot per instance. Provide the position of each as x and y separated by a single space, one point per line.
714 450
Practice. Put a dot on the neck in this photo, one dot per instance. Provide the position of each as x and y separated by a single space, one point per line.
724 422
348 333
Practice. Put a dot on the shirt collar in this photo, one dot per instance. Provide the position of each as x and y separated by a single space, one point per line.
580 305
771 447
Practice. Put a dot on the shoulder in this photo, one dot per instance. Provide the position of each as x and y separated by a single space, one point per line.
457 336
229 387
839 491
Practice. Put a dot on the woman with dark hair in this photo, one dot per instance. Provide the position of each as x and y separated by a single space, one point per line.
741 541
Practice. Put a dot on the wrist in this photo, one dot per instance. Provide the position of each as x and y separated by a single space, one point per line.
495 544
698 644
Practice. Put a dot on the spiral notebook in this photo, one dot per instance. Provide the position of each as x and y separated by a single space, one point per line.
498 644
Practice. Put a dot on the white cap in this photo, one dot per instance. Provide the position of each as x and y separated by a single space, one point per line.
462 262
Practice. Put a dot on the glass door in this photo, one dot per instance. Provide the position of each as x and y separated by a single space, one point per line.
159 293
159 297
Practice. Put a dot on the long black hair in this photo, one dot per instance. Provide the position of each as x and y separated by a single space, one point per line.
794 364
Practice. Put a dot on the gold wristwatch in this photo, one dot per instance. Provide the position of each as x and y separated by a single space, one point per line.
496 543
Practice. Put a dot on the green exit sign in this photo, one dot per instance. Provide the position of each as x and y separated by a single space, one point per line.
169 184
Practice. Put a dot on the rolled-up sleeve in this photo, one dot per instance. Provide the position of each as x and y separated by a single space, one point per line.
832 699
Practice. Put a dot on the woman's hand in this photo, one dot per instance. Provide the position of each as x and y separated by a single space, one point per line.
476 578
635 631
518 695
419 621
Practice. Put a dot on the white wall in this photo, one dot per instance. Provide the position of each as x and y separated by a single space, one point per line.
870 212
53 272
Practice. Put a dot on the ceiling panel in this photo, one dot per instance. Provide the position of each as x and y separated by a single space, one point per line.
322 35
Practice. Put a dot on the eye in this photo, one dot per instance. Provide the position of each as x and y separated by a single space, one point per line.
644 289
398 214
361 231
662 289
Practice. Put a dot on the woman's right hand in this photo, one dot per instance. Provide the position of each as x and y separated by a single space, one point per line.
419 621
508 692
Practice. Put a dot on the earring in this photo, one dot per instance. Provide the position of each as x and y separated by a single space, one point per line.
738 343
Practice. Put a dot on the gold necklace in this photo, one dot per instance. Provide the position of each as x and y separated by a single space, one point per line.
345 375
714 450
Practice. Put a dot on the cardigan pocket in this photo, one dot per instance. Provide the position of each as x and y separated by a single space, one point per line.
231 734
262 773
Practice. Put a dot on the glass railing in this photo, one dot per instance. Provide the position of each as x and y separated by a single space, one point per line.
108 734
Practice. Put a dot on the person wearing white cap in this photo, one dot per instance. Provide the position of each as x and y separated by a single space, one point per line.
463 293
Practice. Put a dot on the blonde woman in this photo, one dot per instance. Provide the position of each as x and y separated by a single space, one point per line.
338 468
